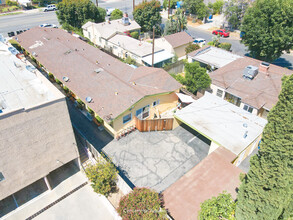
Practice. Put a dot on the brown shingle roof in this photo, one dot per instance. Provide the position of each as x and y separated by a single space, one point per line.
64 55
210 177
262 91
179 39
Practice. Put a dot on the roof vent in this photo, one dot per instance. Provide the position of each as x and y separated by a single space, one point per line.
245 134
65 78
88 99
67 52
116 93
133 83
34 54
250 72
98 70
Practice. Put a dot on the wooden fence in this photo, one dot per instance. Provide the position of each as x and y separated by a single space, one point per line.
159 124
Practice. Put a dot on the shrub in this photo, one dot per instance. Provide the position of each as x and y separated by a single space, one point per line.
103 176
90 111
51 76
80 104
129 61
116 14
66 90
100 120
225 46
58 81
191 47
134 35
11 3
141 203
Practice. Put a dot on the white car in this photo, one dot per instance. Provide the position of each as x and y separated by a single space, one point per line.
200 41
49 25
109 11
50 8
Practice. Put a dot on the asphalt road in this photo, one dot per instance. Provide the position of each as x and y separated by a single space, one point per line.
32 19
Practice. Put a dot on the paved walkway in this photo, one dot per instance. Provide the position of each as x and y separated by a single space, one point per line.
157 159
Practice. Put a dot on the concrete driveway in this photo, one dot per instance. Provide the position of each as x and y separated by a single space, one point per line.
157 159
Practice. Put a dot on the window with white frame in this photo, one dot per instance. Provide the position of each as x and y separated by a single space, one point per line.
248 108
127 118
220 93
143 113
157 102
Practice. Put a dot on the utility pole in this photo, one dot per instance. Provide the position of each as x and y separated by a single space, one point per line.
153 52
97 3
133 5
169 9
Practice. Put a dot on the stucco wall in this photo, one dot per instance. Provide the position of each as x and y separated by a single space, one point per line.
162 43
180 51
167 102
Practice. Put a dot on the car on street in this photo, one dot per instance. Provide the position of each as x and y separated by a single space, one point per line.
109 11
221 32
49 25
50 8
200 41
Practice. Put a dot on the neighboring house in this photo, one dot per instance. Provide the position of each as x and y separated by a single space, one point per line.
250 84
35 131
175 43
116 92
124 46
100 33
212 57
224 124
211 176
25 3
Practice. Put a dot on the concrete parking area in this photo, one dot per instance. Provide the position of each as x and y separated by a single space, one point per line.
158 159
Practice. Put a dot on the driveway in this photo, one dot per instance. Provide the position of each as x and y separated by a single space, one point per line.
157 159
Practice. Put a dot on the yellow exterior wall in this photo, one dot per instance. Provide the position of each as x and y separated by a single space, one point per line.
180 51
167 102
247 151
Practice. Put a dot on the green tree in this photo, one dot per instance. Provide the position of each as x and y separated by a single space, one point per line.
116 14
176 23
191 47
268 27
196 77
172 4
220 207
266 191
196 7
218 6
142 203
77 12
147 15
234 12
103 176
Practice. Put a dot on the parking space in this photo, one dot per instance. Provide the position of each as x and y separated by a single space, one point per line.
157 159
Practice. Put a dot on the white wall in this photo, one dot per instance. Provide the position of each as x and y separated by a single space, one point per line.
162 43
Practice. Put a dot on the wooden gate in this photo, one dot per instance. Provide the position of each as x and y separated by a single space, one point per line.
159 124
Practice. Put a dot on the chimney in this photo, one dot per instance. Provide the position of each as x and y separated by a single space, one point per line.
264 68
125 15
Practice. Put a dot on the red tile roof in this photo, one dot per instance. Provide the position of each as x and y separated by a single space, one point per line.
112 89
179 39
210 177
262 91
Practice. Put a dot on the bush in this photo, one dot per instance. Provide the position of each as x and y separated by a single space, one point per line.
116 14
141 203
58 81
80 104
130 61
134 35
90 111
103 176
100 120
226 46
66 90
11 3
191 47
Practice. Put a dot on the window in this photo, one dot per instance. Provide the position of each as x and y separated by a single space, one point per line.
115 48
248 108
157 102
143 113
127 118
220 93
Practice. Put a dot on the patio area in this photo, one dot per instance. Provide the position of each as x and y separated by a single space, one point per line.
158 159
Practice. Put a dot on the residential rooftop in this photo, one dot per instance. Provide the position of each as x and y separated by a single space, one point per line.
222 122
178 39
21 88
262 91
211 176
137 47
112 85
108 29
213 56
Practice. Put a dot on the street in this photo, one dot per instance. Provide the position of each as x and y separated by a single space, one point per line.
34 18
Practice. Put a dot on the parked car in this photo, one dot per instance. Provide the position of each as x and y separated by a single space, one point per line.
221 32
109 11
13 50
200 41
49 25
50 8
